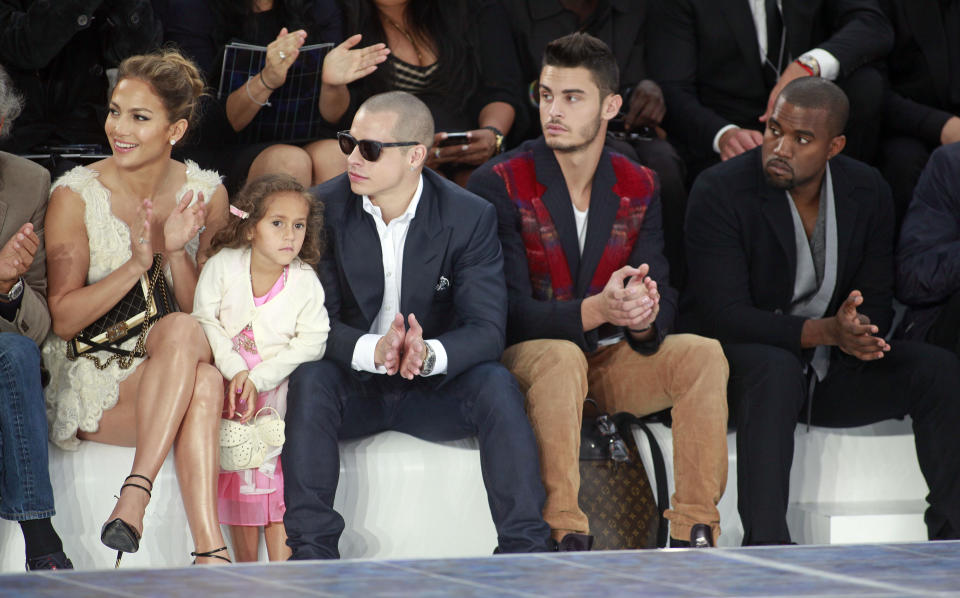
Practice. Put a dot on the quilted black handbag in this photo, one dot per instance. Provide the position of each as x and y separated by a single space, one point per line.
149 300
615 492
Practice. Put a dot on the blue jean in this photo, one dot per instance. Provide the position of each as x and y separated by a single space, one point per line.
326 403
25 491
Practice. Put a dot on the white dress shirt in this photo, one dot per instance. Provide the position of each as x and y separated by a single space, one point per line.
829 65
393 238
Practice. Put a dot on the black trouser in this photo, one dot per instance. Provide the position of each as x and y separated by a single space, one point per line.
768 394
326 403
945 331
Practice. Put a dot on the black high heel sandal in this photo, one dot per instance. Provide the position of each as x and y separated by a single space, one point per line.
117 533
210 553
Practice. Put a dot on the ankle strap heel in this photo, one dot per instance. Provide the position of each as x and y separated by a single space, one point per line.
144 488
211 553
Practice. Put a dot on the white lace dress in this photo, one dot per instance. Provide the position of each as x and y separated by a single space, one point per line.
78 392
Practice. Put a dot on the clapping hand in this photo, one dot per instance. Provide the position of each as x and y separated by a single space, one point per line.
184 222
141 244
281 54
17 256
344 64
388 350
414 350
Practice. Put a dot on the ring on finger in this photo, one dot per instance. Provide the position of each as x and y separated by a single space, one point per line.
201 229
436 152
141 240
282 54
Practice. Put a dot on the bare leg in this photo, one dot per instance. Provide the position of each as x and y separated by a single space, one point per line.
246 543
288 159
151 408
196 455
328 160
276 537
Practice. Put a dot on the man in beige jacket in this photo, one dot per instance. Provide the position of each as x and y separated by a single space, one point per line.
25 492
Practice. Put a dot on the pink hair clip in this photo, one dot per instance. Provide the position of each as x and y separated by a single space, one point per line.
239 213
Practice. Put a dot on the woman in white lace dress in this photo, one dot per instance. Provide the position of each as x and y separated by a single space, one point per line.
103 225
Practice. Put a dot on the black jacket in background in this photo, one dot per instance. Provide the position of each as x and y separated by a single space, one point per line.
918 102
706 57
618 23
57 52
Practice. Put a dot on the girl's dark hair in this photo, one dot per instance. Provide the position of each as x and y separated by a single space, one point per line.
232 19
254 200
444 24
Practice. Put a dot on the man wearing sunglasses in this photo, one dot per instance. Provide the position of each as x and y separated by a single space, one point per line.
413 276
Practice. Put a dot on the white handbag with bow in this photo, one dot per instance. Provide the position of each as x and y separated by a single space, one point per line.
245 445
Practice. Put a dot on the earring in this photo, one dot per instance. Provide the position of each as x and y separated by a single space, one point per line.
413 168
173 142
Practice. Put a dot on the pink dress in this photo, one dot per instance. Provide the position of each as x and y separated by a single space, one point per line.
255 496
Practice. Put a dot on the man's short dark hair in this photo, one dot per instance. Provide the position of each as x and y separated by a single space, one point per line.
819 94
582 49
414 119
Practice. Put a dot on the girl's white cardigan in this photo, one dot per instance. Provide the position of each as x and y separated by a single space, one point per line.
290 329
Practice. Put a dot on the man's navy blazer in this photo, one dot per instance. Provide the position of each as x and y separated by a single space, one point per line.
452 272
742 251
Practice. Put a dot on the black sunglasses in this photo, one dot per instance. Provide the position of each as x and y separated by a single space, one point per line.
369 149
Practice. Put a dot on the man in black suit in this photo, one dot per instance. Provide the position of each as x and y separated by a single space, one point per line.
721 64
405 246
791 262
921 106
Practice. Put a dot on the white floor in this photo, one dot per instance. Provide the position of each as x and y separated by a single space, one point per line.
407 498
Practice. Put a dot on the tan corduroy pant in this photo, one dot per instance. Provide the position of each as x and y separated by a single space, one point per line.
688 374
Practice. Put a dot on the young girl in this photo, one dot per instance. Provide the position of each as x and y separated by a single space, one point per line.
261 306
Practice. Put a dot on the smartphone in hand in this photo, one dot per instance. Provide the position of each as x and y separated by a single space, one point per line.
459 138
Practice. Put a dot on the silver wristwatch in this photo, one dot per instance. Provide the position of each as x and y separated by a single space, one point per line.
14 294
429 362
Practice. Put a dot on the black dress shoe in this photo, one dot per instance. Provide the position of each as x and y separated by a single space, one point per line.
700 537
575 543
49 562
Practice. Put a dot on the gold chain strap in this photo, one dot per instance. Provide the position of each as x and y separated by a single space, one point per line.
139 350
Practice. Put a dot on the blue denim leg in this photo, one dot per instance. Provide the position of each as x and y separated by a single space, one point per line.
25 491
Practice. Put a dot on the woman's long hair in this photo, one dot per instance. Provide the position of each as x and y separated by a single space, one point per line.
444 23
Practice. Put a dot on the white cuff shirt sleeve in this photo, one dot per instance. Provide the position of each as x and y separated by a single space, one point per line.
440 365
363 353
716 138
829 65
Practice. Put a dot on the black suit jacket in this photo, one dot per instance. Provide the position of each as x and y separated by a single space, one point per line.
705 55
452 236
531 318
918 104
742 252
619 23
